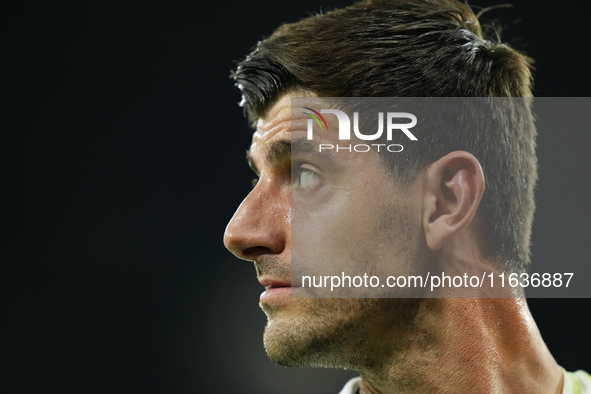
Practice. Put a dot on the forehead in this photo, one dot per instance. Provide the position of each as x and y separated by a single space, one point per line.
281 124
275 121
279 116
281 138
274 126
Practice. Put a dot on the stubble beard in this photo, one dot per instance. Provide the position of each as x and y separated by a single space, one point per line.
362 334
340 333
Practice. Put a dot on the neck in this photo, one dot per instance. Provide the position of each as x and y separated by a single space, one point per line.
484 345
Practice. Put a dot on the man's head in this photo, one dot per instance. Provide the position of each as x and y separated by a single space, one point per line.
431 48
320 198
416 48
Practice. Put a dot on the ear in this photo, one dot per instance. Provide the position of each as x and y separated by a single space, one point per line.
454 188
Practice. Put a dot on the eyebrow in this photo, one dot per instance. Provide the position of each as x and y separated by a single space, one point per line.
277 152
281 150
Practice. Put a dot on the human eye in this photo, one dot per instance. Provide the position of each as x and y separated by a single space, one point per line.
306 178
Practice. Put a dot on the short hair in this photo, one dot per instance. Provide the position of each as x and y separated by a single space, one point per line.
417 48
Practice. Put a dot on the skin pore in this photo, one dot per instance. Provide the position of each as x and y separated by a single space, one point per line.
398 345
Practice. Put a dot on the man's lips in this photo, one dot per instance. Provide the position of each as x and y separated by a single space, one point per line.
270 283
275 290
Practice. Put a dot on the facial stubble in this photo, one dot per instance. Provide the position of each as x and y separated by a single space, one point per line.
350 333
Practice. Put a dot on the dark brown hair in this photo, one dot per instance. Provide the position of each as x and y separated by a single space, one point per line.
417 48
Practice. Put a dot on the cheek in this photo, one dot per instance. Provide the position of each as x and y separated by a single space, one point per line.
357 232
394 241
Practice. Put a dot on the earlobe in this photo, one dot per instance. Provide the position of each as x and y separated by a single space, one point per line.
454 188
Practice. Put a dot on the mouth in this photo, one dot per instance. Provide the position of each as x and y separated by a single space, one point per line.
276 287
271 283
275 290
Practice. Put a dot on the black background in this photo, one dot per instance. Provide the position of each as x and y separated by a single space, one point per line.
123 159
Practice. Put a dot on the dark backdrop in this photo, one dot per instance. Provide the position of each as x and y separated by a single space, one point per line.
122 160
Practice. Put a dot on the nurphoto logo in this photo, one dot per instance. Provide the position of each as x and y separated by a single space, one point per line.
344 130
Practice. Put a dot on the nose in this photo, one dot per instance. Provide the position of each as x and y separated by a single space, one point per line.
259 226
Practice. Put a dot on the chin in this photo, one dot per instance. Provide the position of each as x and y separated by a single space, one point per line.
297 344
315 334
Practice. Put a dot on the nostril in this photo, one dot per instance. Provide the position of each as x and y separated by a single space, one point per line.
256 251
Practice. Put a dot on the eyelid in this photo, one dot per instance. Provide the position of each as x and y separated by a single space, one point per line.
296 168
309 167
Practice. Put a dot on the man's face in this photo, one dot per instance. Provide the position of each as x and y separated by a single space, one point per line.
309 209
